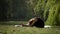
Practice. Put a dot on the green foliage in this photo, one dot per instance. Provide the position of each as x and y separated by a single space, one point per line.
53 16
49 10
39 8
30 7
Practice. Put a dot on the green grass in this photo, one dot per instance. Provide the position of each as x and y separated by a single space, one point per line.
13 22
10 29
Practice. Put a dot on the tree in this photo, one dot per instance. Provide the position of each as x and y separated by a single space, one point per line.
54 11
3 10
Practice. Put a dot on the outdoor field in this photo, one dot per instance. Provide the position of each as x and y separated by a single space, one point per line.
11 29
26 16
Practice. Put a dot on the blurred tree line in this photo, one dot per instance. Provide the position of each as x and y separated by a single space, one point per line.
23 10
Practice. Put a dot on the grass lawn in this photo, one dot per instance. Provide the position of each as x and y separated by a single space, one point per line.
10 29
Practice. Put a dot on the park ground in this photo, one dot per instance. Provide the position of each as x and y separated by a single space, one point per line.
11 29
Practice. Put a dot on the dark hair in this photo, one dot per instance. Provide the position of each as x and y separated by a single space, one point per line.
36 21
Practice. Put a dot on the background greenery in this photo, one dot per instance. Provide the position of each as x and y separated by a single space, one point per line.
23 10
